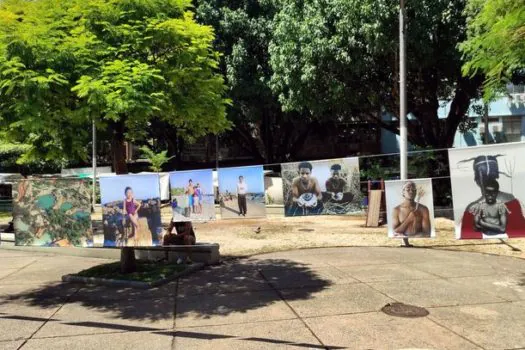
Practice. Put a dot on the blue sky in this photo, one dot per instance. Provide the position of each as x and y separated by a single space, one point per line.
253 176
144 187
204 177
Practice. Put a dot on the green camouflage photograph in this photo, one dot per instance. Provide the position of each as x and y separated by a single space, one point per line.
52 213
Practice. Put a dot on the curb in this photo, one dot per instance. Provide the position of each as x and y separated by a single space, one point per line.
132 284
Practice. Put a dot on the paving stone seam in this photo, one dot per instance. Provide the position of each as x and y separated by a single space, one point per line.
494 294
236 323
476 304
343 314
392 280
377 290
453 332
18 270
294 312
49 318
99 333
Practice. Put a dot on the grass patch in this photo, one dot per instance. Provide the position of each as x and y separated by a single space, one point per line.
5 215
147 271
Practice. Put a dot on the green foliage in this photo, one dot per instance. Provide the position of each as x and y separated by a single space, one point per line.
244 30
64 63
496 42
339 59
146 271
157 160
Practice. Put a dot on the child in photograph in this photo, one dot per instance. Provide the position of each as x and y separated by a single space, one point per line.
490 215
242 190
190 190
337 186
131 208
200 197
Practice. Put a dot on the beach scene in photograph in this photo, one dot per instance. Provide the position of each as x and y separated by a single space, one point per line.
241 192
131 210
192 195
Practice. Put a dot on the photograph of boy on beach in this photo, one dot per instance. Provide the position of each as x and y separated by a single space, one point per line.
192 195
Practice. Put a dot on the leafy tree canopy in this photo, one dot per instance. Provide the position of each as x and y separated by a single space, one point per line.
496 42
339 59
122 62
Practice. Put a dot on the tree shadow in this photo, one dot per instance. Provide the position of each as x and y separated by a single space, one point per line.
233 286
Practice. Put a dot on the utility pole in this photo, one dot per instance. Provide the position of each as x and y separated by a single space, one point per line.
94 161
402 99
486 122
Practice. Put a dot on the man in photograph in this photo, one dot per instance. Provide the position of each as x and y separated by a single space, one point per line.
242 190
306 192
410 218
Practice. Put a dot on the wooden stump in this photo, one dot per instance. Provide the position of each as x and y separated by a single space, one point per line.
374 207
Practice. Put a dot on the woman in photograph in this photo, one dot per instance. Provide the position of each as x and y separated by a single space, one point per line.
196 198
131 208
180 233
200 197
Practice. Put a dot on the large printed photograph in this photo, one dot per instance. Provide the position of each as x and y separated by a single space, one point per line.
241 192
488 191
52 213
131 210
192 195
410 208
325 187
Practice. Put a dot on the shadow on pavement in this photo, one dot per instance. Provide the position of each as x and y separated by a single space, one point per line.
232 287
228 288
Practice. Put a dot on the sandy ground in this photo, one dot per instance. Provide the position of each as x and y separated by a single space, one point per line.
240 237
254 209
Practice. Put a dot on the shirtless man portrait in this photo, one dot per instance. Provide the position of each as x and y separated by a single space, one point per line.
411 219
306 193
490 215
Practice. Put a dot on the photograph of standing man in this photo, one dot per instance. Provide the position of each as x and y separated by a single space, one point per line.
242 190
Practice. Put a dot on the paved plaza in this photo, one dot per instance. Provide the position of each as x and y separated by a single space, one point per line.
307 299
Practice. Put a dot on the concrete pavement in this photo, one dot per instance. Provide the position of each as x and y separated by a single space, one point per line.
309 299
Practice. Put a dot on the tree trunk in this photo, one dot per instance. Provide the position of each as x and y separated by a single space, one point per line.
118 148
128 264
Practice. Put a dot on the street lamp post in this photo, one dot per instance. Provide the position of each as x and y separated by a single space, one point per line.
94 162
402 99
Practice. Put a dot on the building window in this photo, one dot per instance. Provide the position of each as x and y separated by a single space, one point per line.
511 126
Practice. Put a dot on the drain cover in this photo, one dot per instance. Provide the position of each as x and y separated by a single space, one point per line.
404 310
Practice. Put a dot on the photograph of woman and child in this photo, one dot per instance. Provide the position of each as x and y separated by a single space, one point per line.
192 195
131 210
327 187
496 173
